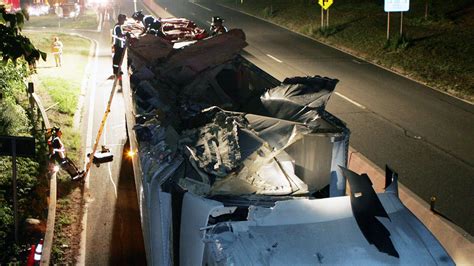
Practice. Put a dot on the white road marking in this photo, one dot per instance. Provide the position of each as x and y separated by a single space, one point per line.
118 126
82 255
351 101
274 58
201 6
108 164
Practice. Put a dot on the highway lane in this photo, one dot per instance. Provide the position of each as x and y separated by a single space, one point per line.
426 135
112 229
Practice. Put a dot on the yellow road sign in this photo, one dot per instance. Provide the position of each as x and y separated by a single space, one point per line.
325 3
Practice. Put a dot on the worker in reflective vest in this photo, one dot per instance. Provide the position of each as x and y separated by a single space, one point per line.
118 47
151 24
217 27
58 154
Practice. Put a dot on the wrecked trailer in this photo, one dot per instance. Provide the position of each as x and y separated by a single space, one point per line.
235 167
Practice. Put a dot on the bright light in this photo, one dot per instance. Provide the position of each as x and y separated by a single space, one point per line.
131 153
72 14
55 168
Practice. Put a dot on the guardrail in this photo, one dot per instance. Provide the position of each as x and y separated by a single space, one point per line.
48 238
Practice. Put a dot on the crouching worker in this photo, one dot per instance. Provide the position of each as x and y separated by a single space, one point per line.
57 152
217 26
151 24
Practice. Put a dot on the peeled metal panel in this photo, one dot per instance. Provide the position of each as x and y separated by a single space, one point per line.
194 216
313 157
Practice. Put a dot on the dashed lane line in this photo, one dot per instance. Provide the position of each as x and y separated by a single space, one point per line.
108 165
350 100
203 7
274 58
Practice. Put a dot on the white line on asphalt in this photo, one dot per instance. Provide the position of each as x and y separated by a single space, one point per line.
274 58
349 100
118 126
92 80
108 165
201 6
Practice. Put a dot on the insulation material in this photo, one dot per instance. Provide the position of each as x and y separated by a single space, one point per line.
244 164
299 99
148 50
185 64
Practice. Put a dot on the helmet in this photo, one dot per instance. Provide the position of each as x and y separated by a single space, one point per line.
138 15
53 131
217 19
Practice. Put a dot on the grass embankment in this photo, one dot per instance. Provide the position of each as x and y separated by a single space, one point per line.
437 50
59 89
88 20
17 119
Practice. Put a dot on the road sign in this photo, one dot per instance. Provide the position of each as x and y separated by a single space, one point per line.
396 5
325 3
25 147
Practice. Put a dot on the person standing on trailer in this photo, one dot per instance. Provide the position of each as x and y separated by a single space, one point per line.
118 46
217 26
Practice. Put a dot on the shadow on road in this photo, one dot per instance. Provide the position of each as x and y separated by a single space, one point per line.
127 247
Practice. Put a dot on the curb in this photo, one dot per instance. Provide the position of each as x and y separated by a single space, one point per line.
346 52
80 102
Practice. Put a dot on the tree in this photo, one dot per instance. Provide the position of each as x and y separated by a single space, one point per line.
13 45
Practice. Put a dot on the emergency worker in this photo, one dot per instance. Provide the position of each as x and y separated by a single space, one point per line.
151 24
58 154
57 50
217 27
118 38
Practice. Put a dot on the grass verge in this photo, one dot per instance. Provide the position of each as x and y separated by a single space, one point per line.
435 50
59 89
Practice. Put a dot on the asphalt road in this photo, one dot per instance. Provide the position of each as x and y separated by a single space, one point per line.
426 135
113 233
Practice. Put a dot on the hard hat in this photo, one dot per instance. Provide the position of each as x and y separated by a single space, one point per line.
138 15
216 19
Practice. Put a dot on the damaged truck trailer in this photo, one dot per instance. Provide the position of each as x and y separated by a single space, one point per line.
234 167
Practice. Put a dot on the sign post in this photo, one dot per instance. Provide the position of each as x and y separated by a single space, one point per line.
322 18
396 6
325 4
16 146
388 26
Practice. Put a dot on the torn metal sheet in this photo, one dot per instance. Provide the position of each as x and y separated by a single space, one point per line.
319 231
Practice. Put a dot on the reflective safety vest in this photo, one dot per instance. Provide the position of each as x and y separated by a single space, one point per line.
118 36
